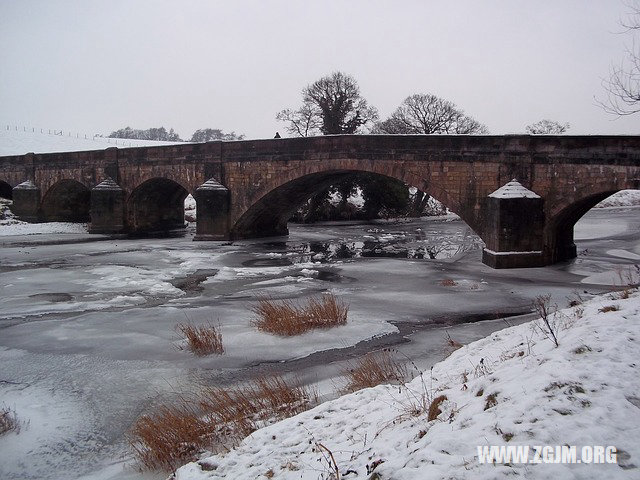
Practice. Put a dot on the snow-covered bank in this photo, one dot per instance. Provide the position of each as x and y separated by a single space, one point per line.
514 387
10 225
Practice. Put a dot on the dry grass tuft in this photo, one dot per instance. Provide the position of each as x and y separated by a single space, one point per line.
452 345
242 410
434 407
374 369
201 340
624 294
609 308
287 318
491 401
216 419
169 437
8 421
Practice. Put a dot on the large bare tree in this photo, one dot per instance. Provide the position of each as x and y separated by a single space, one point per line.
303 122
623 84
331 105
428 114
547 127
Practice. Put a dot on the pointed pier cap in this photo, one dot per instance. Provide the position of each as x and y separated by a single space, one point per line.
513 189
27 185
211 185
107 184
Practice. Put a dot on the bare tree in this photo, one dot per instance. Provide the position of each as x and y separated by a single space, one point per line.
302 122
331 105
429 114
549 326
623 84
547 127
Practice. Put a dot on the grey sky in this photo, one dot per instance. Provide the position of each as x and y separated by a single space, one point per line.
96 66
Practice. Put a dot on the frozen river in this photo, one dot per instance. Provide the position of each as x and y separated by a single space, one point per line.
87 324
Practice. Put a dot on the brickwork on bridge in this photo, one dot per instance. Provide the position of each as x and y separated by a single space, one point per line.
250 188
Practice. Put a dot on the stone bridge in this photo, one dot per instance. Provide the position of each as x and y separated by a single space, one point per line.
250 188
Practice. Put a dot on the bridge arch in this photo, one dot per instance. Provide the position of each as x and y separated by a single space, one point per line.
276 201
66 201
561 224
5 190
156 204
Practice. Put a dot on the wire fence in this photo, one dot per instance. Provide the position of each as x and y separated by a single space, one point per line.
67 133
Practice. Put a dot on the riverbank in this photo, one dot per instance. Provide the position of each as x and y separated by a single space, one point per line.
515 387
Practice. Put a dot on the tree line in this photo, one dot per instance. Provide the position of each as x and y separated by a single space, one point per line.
161 134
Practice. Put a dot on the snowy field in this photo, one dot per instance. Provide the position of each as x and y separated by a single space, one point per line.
30 139
514 387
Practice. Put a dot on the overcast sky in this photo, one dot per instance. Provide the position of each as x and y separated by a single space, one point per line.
97 66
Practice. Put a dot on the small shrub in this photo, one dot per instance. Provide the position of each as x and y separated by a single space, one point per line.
434 408
549 326
609 308
8 421
201 340
448 282
374 369
287 318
